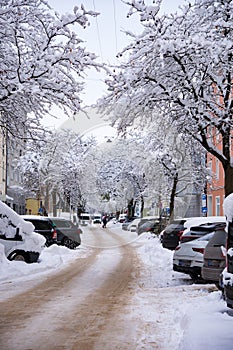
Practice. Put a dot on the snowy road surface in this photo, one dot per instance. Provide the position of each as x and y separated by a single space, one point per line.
76 307
109 299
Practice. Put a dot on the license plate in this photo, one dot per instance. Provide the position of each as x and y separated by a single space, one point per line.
185 263
214 263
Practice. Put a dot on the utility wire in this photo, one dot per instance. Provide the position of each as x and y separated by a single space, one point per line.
98 33
114 14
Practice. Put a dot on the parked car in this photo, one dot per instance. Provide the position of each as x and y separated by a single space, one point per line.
145 219
188 257
122 218
18 238
172 232
132 227
199 231
214 256
44 226
70 233
227 275
127 222
152 226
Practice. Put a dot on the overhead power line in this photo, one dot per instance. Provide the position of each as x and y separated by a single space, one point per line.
115 24
98 33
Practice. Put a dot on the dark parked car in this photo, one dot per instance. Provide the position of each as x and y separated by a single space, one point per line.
172 233
214 257
70 233
199 231
149 226
44 226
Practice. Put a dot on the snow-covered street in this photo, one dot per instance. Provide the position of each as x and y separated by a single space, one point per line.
119 293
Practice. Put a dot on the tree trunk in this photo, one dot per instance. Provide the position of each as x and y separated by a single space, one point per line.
228 180
142 206
54 197
172 197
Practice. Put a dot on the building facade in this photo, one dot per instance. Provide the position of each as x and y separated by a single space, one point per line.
11 190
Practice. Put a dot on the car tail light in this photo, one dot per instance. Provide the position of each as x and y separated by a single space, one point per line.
177 248
223 251
180 233
199 250
54 232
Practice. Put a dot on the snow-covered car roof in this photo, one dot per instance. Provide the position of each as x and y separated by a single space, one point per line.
228 207
190 222
9 215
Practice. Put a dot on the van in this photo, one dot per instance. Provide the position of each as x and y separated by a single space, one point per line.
18 238
85 219
97 219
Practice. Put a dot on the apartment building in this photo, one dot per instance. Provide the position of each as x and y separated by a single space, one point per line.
11 190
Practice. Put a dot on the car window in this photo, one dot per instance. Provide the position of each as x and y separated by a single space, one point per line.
41 224
85 217
62 223
174 226
219 238
206 237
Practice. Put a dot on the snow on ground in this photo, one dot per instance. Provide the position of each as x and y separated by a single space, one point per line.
162 297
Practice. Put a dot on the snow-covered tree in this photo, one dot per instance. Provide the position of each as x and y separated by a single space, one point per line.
181 160
181 65
42 62
115 176
55 167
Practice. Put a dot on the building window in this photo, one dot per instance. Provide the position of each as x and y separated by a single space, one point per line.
217 204
210 205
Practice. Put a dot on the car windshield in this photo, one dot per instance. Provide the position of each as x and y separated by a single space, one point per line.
202 229
85 217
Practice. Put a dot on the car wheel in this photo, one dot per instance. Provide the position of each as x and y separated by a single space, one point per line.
67 242
18 256
194 276
75 244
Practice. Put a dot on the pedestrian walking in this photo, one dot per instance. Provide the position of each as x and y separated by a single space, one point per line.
104 221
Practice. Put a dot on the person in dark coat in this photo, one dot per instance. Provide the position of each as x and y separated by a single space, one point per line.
104 221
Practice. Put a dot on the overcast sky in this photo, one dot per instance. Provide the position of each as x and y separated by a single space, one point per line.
105 36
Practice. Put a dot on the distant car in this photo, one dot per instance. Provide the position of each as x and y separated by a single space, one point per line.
71 233
127 222
132 227
188 257
199 231
18 238
149 226
97 219
172 233
214 257
44 226
122 218
146 219
85 219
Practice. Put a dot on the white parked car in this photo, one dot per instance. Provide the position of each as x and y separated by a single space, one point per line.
17 236
189 257
122 218
132 227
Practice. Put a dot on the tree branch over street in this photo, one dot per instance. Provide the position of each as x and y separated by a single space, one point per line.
180 67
